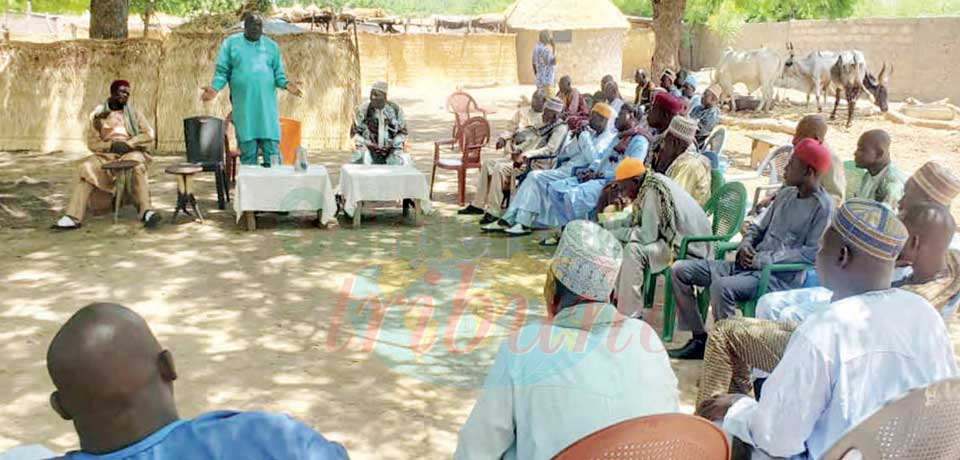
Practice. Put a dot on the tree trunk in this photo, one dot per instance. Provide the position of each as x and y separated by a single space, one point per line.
108 19
147 14
667 16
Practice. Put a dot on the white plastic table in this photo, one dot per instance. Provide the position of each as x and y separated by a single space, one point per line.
369 183
281 189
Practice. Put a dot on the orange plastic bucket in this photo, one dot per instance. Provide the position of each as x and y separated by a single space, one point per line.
289 139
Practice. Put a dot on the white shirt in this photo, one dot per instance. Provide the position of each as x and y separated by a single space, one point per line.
536 403
841 365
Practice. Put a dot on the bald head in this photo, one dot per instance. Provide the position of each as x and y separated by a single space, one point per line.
112 377
873 151
811 127
931 228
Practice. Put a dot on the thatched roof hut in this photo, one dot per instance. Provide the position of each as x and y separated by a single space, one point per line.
588 33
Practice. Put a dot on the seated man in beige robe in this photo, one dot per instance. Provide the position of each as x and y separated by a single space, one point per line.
499 175
677 157
117 131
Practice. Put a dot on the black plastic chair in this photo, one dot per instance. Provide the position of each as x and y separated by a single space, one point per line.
204 139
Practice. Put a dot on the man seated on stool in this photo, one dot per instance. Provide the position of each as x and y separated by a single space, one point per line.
117 131
871 345
379 130
115 383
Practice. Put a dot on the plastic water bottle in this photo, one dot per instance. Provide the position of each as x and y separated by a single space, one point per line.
300 163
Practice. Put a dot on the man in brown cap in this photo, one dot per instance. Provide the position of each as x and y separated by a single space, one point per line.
932 182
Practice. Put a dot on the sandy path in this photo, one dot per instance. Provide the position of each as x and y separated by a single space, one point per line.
259 321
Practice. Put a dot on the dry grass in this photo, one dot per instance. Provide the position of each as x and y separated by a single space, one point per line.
426 59
48 89
324 64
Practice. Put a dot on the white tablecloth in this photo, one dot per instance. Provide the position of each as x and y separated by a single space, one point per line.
283 189
382 183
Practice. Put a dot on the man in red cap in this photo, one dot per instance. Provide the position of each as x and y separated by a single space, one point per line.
664 107
117 131
788 233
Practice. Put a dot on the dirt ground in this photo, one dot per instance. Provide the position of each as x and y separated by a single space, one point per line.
286 318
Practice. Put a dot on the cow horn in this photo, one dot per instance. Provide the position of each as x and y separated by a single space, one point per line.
883 73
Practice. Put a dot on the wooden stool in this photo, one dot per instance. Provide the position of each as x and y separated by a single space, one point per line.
184 173
122 171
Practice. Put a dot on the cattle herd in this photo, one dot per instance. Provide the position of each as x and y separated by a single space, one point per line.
818 73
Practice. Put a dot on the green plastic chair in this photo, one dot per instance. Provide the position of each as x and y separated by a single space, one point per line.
728 206
750 307
717 181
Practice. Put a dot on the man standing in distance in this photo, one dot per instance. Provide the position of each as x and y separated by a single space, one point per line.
251 64
544 63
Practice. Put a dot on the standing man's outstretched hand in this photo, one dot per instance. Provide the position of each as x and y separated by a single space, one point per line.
209 94
294 88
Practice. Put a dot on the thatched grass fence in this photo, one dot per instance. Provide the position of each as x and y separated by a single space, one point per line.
430 59
47 90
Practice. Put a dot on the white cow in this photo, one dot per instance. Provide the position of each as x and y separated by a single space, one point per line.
758 68
812 73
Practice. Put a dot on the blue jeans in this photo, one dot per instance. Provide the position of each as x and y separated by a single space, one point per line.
248 150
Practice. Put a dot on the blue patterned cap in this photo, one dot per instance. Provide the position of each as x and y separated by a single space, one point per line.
587 260
871 227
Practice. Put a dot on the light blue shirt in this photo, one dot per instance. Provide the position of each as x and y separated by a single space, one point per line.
228 436
608 137
841 365
543 62
637 148
535 402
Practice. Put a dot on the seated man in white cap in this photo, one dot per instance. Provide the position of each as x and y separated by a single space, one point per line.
575 198
707 114
873 344
536 130
532 202
379 130
679 159
592 368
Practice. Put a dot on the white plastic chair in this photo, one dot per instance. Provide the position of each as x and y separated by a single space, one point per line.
772 167
922 424
716 141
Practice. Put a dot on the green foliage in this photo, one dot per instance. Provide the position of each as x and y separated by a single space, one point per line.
722 14
906 8
727 21
635 7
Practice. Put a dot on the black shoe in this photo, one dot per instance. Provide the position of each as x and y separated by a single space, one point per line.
693 350
488 219
471 210
151 219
